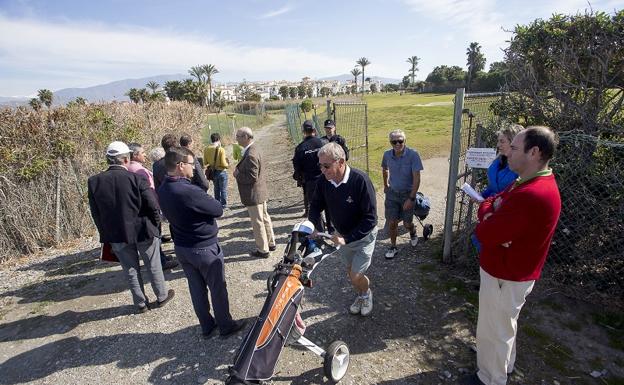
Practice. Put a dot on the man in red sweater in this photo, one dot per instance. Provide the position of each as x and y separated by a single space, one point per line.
515 229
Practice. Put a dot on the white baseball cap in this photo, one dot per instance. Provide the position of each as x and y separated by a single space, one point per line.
117 148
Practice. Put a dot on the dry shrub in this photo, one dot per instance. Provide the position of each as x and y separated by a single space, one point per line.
62 147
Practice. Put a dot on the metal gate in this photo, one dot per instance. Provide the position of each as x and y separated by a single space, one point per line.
351 123
474 125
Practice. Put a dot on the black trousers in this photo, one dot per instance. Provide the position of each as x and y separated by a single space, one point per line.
204 269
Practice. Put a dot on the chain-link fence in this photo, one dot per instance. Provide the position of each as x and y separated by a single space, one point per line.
233 117
586 258
474 126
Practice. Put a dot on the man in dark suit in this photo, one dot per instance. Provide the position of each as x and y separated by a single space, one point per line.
250 174
125 212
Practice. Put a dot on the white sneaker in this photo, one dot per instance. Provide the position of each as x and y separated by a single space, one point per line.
414 239
392 252
357 306
367 304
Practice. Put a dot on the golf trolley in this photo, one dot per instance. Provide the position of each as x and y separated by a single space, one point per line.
421 211
280 321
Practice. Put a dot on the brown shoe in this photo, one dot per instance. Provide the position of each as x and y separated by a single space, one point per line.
170 295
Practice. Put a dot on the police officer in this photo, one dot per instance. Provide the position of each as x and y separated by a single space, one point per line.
330 130
305 161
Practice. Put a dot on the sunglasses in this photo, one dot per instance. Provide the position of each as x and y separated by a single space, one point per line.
400 141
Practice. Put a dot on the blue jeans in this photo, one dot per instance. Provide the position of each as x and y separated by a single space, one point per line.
220 186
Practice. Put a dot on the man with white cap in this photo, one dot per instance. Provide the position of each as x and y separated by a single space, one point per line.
125 212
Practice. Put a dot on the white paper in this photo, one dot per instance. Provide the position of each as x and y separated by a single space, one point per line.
472 192
480 157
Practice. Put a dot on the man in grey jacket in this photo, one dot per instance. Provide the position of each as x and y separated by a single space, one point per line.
250 177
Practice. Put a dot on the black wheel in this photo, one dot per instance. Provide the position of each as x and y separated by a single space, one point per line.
336 361
427 231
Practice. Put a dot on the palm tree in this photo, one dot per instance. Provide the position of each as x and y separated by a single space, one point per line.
209 71
414 62
35 104
134 95
356 72
144 95
45 96
152 85
475 62
198 73
363 62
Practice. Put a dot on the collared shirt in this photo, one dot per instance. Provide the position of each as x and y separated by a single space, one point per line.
401 168
245 150
138 168
344 180
545 172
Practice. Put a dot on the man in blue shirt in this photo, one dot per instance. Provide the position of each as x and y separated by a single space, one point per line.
193 216
348 196
401 168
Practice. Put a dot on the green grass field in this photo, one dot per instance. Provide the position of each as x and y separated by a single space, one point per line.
427 120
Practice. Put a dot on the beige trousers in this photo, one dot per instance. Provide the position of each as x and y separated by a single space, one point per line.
500 302
262 227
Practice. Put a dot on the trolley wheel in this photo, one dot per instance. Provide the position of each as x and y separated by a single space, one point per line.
427 231
336 361
271 282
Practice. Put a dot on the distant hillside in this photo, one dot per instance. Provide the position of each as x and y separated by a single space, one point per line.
115 91
111 91
348 77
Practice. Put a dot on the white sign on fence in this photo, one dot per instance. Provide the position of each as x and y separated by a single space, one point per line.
480 157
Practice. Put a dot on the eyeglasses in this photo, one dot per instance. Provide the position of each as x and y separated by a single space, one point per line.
326 165
399 141
241 135
191 163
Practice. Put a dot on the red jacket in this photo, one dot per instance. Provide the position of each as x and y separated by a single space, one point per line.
525 220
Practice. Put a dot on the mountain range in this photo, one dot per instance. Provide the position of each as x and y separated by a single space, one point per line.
116 91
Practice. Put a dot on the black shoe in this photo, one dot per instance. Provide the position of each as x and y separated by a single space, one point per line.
143 309
236 326
472 379
273 248
170 295
207 336
170 264
260 254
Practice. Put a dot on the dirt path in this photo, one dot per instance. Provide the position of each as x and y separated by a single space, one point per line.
66 318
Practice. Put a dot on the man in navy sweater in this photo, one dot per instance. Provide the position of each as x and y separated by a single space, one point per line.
348 196
192 214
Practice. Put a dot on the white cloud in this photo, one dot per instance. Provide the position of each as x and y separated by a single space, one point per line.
277 12
89 51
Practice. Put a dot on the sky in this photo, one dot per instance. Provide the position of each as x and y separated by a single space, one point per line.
57 44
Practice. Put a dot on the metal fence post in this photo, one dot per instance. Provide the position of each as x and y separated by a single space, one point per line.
452 178
329 111
57 219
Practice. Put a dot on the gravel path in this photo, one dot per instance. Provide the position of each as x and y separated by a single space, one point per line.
66 317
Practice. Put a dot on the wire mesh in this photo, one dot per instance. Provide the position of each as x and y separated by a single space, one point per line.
352 123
